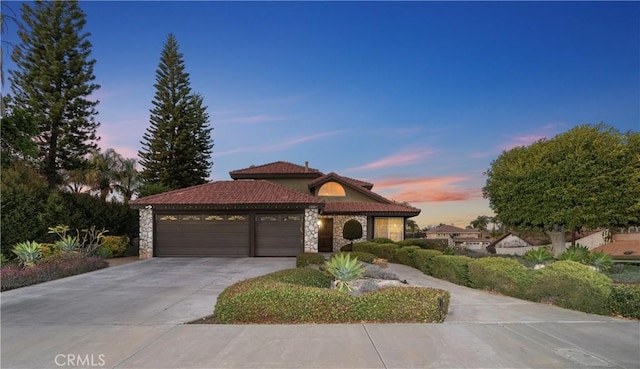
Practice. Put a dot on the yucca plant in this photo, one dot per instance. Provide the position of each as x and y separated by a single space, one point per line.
28 252
600 261
538 256
344 269
68 244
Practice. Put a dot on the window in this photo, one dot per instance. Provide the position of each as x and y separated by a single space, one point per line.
331 189
236 218
191 217
291 218
392 228
267 218
214 218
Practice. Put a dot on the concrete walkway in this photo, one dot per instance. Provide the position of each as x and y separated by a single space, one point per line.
131 316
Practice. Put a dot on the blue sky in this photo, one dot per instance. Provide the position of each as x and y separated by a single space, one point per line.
416 97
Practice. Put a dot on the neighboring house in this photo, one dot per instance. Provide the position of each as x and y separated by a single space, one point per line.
624 246
590 239
455 236
512 244
276 209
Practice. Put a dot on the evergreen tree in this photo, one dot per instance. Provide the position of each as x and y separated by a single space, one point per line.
53 81
177 145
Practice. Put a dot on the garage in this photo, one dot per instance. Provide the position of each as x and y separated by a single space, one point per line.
202 234
279 234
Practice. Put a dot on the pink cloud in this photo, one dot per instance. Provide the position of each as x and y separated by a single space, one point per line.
525 140
428 189
279 146
396 160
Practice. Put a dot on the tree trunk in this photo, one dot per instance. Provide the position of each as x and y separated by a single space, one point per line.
557 240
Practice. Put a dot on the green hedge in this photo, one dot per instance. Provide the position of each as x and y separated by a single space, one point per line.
113 246
382 240
364 257
309 258
572 285
452 268
422 243
424 260
406 255
300 296
506 276
363 246
625 300
381 250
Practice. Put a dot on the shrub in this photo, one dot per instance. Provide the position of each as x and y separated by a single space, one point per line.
452 268
309 258
49 250
344 269
622 273
113 246
625 300
572 285
424 260
3 259
405 255
364 257
382 240
283 298
503 275
54 268
422 243
449 251
68 244
352 230
538 256
347 247
364 246
385 251
28 252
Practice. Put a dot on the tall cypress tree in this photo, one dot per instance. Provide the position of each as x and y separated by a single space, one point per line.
177 146
53 82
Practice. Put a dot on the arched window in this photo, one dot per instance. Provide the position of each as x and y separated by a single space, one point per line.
331 189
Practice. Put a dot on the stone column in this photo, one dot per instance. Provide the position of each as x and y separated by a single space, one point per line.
311 230
338 226
146 233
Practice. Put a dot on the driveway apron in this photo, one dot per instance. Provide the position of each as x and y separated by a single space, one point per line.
132 316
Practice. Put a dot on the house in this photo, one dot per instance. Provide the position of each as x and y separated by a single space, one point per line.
276 209
455 236
512 244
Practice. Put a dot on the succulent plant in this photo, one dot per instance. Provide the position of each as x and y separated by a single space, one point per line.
68 244
600 261
28 252
538 256
344 269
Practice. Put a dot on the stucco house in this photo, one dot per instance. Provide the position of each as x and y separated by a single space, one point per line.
275 209
456 236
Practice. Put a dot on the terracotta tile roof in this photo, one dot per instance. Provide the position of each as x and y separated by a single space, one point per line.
275 169
230 193
352 181
618 248
451 229
369 208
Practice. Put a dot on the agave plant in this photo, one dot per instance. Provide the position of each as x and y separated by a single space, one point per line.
28 252
3 259
538 256
68 244
576 252
600 261
344 269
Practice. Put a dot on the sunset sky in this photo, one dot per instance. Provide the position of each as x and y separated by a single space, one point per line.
415 97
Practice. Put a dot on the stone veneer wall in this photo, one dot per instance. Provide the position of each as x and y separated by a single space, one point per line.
146 234
338 226
311 230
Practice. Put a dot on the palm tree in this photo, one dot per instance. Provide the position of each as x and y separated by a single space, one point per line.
105 166
480 223
128 179
77 180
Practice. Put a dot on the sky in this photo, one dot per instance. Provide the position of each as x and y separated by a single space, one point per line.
416 97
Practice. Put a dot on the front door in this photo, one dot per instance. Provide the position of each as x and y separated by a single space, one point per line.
325 235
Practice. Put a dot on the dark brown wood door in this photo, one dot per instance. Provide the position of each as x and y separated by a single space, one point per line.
279 234
325 235
202 235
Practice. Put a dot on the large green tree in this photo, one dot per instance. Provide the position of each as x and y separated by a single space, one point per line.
53 83
177 146
588 176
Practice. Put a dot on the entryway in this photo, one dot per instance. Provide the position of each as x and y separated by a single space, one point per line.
325 235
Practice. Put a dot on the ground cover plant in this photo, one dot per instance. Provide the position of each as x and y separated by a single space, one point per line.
301 295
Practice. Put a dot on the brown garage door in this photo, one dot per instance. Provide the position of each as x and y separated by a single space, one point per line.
202 235
279 234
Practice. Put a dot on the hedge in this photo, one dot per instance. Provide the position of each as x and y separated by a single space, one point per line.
422 243
506 276
452 268
113 246
309 258
624 300
381 250
424 260
406 255
300 296
572 285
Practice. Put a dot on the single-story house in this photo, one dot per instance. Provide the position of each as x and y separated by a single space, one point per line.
276 209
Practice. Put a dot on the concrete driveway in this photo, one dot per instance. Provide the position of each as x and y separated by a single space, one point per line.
131 317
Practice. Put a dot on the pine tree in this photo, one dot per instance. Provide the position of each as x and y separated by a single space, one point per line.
53 82
177 145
